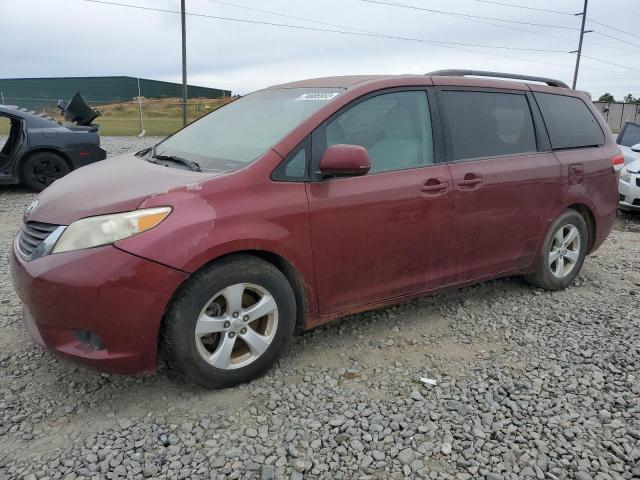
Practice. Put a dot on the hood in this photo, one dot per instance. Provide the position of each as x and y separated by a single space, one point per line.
629 155
117 184
633 166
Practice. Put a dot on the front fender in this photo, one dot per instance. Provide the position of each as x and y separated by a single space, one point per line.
203 226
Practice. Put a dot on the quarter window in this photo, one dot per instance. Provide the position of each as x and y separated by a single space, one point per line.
487 124
294 167
395 128
569 121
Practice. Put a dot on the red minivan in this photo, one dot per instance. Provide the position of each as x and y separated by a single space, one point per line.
308 201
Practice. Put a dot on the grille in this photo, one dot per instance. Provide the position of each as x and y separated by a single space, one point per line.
32 234
638 181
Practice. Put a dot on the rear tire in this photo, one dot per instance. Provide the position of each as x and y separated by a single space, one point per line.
562 253
42 169
230 322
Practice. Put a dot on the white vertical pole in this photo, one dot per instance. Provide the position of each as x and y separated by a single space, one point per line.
142 132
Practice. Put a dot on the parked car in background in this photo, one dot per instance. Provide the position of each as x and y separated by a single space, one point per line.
304 202
39 150
629 185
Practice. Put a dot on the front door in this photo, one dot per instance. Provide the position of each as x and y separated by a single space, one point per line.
12 128
382 235
506 182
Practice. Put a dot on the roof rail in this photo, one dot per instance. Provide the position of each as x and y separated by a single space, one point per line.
479 73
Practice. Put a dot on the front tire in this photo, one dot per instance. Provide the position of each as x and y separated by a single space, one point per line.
230 322
42 169
562 254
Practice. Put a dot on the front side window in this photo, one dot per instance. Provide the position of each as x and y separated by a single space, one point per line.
238 133
569 122
395 128
487 124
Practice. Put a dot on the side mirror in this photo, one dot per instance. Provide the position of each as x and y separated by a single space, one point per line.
636 147
345 161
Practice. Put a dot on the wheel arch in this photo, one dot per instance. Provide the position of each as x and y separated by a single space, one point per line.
589 218
291 273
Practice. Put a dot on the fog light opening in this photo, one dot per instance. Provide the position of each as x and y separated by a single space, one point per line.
89 338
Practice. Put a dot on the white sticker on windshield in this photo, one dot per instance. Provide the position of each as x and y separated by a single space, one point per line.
318 96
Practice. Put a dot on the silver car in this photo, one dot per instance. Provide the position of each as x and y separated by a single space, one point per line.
629 184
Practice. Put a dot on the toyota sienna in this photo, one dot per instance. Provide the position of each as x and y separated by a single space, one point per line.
308 201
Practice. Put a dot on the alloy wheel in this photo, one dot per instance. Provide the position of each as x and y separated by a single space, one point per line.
236 326
564 252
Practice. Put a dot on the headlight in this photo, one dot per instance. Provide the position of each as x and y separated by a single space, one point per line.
625 175
104 229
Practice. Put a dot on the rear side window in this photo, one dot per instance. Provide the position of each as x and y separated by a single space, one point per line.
630 135
487 124
569 122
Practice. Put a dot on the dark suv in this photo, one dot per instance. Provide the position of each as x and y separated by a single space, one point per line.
308 201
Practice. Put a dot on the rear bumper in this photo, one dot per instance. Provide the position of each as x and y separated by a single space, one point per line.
86 155
101 307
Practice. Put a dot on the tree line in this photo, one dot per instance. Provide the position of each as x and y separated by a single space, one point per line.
628 98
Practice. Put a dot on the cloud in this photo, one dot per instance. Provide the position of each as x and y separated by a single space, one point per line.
78 38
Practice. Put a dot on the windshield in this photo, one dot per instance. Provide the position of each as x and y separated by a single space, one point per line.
630 135
238 133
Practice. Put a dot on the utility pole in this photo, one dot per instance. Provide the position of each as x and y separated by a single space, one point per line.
579 52
184 62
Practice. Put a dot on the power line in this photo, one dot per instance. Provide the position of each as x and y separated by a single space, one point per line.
613 28
328 30
464 15
293 17
525 7
616 39
612 63
306 19
362 33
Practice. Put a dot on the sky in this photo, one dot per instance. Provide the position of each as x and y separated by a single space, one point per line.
41 38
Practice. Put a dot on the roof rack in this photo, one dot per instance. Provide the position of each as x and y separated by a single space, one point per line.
479 73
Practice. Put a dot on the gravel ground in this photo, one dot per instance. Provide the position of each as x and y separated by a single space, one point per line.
530 384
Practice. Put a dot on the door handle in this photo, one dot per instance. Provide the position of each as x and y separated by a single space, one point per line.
470 180
431 187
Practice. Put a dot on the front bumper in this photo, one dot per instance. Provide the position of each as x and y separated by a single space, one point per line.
629 193
101 307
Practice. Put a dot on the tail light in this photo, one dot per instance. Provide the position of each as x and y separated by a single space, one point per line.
617 160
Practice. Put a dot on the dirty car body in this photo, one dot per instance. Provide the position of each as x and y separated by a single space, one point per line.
39 149
350 193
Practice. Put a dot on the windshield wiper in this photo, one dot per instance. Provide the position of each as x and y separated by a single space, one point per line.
182 161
